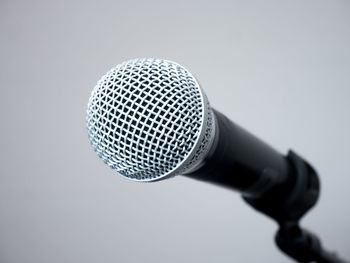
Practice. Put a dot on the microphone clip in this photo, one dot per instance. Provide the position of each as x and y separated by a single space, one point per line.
288 206
291 201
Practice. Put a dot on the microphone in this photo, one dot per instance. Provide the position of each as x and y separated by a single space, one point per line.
148 119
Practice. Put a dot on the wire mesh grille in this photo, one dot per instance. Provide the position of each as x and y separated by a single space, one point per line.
144 118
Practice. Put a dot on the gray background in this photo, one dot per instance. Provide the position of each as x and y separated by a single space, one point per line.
278 68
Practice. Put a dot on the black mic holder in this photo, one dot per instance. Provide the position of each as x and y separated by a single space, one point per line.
289 208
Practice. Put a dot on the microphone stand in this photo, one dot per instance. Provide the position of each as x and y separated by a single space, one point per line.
287 211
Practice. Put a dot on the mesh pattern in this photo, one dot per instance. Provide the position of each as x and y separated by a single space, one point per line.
205 144
144 118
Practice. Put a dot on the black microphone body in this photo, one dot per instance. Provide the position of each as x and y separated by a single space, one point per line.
242 162
281 187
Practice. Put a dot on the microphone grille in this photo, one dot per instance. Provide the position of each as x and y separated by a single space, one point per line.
148 119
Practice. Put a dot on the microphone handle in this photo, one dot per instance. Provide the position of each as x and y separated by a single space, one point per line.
242 162
282 187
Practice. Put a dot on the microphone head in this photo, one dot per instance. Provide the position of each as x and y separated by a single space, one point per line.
148 119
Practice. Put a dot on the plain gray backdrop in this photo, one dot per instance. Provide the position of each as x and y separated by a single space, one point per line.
281 69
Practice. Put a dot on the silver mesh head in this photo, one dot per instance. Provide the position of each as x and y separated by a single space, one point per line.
148 119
